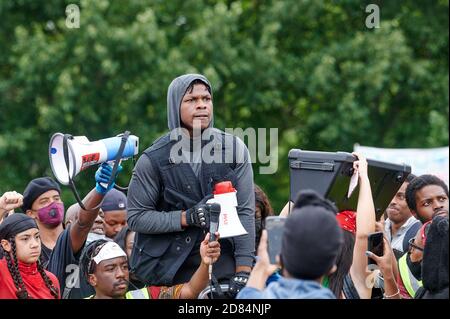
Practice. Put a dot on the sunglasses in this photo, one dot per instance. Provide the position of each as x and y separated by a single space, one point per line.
411 244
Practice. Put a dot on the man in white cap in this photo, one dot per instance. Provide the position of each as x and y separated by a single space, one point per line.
104 264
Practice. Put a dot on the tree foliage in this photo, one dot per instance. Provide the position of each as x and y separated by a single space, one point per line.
312 69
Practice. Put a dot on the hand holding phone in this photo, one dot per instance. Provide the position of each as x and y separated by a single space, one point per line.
274 227
376 246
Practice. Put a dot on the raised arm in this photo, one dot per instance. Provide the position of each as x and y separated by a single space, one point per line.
9 201
81 227
209 252
365 224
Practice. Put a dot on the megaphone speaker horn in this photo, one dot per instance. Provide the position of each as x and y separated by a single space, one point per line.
82 153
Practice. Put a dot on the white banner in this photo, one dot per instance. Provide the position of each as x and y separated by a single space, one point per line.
422 160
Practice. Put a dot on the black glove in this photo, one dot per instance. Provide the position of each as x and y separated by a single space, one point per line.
237 282
198 216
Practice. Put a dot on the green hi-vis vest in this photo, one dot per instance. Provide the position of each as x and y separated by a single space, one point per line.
409 281
138 294
134 294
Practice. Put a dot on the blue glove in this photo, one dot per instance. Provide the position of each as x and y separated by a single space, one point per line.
102 176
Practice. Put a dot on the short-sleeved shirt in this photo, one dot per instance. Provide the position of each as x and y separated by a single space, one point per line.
397 240
64 263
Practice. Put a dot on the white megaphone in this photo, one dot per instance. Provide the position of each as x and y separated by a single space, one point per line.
82 153
229 222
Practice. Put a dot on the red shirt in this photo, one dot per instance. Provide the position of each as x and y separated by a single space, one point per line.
32 279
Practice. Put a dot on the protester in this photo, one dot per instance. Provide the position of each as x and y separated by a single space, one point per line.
262 210
435 268
105 266
349 280
71 241
172 182
310 244
409 277
427 196
401 225
339 281
97 230
22 276
114 207
125 239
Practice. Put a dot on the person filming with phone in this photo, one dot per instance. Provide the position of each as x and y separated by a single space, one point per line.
310 243
383 256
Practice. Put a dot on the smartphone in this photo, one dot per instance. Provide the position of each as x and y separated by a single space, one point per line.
274 227
376 246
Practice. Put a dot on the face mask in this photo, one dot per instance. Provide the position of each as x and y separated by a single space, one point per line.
93 236
52 214
415 267
258 230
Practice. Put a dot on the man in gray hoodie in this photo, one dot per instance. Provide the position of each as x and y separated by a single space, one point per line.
171 183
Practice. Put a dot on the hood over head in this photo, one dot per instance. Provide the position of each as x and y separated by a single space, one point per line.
175 93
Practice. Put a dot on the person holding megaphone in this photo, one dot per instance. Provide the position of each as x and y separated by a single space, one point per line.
61 247
171 185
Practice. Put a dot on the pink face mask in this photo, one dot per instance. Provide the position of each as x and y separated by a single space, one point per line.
52 214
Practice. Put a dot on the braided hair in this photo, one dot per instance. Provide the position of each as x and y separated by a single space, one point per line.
48 282
13 267
87 267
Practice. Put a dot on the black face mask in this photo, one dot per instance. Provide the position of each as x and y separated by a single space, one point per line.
258 230
415 267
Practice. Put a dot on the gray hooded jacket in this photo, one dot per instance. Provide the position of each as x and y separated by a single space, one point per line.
145 188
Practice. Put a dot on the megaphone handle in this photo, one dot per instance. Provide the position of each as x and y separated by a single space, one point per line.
71 182
111 164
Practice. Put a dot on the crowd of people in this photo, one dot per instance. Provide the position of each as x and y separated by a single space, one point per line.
156 241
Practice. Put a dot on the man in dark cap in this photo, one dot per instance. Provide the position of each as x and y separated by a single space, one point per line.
310 244
172 181
114 207
42 202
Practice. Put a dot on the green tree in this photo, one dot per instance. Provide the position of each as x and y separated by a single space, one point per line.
312 69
